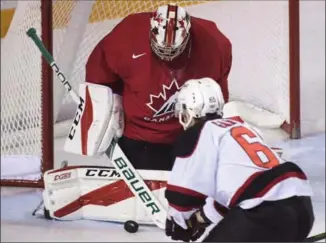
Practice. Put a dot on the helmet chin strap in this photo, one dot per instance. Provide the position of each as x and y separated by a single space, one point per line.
188 123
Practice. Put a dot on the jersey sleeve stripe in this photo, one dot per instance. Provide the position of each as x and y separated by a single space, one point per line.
180 208
185 191
183 199
261 182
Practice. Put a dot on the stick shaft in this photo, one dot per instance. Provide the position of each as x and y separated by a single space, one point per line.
50 60
315 238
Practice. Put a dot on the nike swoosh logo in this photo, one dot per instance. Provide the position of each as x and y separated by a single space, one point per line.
136 56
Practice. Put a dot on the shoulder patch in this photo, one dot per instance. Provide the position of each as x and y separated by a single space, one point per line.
187 141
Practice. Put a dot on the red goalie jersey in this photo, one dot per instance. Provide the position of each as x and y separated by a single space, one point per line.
124 61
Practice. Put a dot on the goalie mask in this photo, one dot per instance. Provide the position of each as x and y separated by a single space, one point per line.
170 26
196 99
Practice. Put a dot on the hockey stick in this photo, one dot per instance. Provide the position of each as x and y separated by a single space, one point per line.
315 238
121 163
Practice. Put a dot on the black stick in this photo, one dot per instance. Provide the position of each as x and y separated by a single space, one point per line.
314 238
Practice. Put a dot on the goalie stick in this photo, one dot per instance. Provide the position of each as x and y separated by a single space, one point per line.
121 163
315 238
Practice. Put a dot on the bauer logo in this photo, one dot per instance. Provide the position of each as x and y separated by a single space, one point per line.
102 173
137 185
62 176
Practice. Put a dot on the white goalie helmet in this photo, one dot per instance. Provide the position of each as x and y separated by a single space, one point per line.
196 99
170 31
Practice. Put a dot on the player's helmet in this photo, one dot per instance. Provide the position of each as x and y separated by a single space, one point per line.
170 26
196 99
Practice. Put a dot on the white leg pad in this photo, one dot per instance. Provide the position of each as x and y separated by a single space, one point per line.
93 192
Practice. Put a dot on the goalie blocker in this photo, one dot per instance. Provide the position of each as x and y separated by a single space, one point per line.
98 119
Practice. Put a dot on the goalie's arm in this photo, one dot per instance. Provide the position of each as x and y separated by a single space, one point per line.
226 67
100 70
223 60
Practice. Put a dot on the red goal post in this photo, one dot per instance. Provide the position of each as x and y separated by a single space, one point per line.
46 98
31 102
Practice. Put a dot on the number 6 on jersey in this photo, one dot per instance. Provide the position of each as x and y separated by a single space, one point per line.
255 150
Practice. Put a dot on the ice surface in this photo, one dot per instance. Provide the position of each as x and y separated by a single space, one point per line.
17 205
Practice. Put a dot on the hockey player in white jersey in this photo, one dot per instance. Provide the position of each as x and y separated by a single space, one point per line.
224 174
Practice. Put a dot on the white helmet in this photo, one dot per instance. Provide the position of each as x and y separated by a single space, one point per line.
196 99
170 26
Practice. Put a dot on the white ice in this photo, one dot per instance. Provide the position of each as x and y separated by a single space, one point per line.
17 205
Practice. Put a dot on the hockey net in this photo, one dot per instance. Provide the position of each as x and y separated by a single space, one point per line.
30 118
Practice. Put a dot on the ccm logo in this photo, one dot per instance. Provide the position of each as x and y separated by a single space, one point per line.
61 76
76 119
62 176
102 173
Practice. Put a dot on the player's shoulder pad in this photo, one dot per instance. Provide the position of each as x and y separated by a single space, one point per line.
187 141
203 22
126 27
136 17
209 29
208 26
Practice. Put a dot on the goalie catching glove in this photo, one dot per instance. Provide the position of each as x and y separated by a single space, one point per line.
99 119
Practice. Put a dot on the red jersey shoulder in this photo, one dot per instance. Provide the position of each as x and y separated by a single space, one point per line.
132 24
128 40
128 30
207 32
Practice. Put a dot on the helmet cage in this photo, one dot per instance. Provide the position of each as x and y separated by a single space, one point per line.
167 53
170 31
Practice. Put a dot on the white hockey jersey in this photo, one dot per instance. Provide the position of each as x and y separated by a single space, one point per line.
224 163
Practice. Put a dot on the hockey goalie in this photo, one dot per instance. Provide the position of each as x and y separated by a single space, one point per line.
94 192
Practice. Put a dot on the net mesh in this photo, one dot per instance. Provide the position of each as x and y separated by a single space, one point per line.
258 31
21 109
260 71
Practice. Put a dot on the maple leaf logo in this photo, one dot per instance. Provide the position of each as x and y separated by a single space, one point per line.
164 102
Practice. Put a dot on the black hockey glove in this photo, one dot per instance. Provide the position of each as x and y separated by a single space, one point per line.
197 224
176 231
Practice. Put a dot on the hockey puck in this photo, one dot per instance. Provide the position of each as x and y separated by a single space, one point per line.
131 226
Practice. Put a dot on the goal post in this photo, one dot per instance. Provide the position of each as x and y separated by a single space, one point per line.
40 159
294 68
34 107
